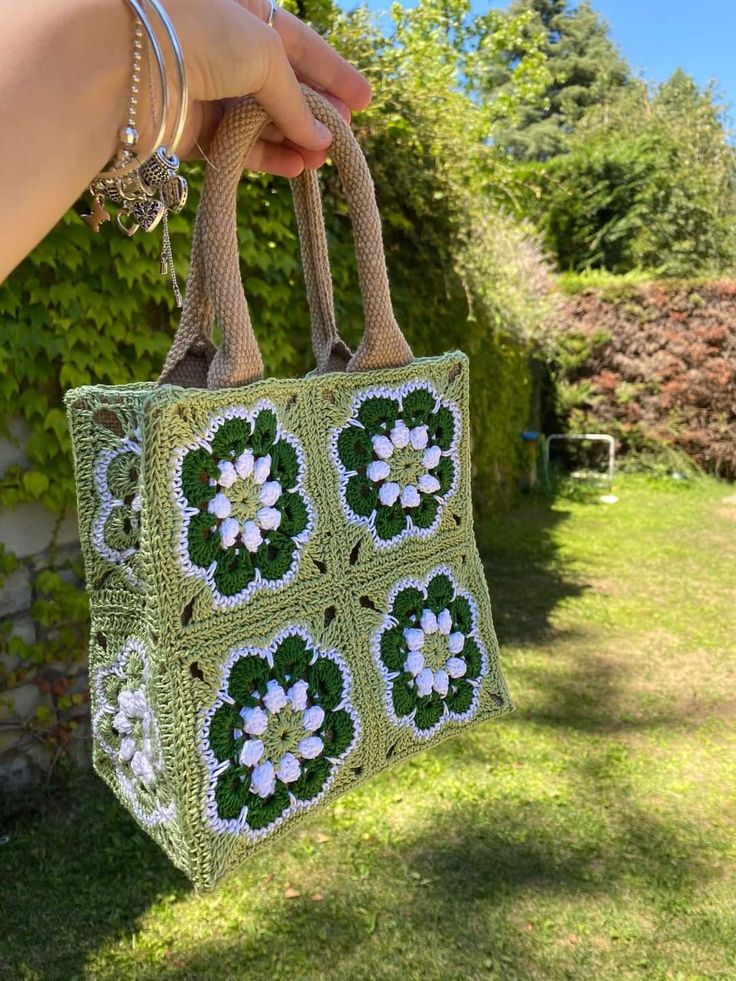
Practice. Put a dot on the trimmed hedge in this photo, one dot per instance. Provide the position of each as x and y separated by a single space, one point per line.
655 365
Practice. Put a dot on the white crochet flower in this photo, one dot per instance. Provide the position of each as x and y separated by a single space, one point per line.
247 469
426 679
133 721
397 457
276 734
394 486
125 728
274 706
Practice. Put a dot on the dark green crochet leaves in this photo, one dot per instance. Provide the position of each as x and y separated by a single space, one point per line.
460 700
232 437
392 649
424 516
397 458
264 432
418 407
378 415
354 448
325 684
445 473
312 779
235 571
361 495
274 557
440 593
277 723
203 539
291 660
407 605
429 711
442 428
294 514
253 515
197 469
428 654
247 675
222 740
390 522
262 812
231 792
404 698
473 658
284 464
462 615
337 732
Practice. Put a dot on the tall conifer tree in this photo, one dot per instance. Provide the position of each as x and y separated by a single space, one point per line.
585 66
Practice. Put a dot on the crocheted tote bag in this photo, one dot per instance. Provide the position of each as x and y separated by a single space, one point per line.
286 596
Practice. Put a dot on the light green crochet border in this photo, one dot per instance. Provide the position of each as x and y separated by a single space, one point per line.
339 594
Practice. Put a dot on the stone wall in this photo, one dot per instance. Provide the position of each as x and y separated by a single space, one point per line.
35 714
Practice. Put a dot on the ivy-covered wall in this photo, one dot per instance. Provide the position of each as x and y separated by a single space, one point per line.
86 309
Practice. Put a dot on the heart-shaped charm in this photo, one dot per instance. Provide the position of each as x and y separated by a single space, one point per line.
130 229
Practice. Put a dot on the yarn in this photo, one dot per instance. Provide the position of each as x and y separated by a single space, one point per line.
397 460
406 656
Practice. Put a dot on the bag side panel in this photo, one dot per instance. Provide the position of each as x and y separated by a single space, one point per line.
107 431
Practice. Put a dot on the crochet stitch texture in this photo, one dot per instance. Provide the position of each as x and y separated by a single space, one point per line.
274 617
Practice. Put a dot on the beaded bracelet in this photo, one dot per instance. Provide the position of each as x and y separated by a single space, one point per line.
146 186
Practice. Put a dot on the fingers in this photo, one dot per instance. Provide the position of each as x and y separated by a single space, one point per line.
313 59
232 53
273 158
280 95
341 107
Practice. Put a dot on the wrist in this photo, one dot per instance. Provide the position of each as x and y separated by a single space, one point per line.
100 37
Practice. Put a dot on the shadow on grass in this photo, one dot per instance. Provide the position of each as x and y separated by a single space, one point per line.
79 874
82 873
526 575
457 886
75 873
82 878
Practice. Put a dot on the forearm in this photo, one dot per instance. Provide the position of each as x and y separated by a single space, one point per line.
64 82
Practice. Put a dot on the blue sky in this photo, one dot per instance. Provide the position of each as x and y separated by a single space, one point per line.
657 36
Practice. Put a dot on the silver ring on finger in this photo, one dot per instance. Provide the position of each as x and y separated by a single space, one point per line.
271 13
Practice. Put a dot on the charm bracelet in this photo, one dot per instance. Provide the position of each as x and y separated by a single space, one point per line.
146 186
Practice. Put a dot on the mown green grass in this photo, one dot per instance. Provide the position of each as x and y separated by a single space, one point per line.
591 835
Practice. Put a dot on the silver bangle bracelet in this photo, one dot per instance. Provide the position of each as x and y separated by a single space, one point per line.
135 160
181 113
145 187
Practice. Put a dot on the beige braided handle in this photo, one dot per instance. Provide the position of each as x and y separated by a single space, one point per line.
215 290
330 351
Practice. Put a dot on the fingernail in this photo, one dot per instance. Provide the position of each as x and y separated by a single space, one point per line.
323 132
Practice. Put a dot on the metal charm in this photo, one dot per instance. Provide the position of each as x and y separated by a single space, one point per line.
98 215
144 197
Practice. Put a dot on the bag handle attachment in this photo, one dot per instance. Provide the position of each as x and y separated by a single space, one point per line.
215 289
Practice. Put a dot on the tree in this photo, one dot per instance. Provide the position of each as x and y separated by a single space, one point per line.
584 69
649 182
429 141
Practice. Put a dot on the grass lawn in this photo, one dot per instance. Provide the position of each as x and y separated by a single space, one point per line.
591 835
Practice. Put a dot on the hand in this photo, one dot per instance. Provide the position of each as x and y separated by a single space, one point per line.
230 51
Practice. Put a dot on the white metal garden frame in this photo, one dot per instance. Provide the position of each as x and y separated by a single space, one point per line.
593 437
